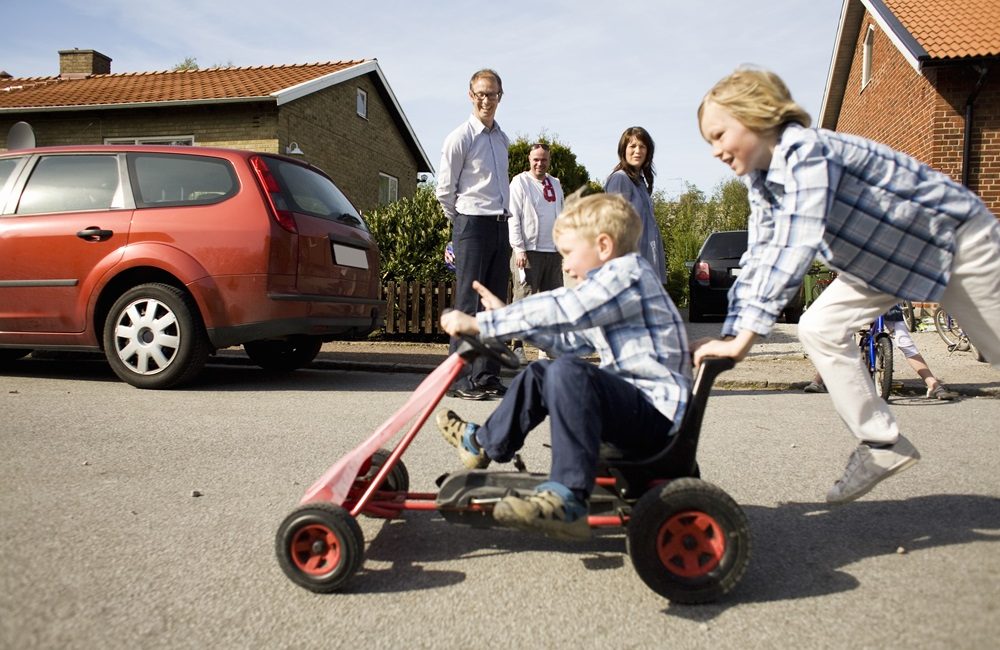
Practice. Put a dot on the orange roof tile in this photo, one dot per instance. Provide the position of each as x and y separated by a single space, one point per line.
951 29
159 87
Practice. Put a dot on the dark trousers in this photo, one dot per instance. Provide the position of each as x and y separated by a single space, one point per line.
482 252
544 272
586 405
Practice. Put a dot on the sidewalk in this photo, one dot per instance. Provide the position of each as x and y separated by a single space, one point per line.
777 363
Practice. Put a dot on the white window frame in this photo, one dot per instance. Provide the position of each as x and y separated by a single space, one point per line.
866 57
391 194
182 140
362 103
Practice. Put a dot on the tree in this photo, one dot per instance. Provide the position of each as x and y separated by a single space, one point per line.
189 63
571 174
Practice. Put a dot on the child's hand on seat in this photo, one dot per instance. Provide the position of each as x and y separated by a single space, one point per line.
489 300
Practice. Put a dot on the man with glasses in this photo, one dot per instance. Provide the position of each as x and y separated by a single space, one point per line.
473 190
536 199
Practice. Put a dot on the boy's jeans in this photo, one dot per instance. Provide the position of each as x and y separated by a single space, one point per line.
827 328
585 405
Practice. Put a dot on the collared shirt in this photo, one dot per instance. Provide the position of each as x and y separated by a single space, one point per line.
532 216
472 177
651 241
865 209
621 312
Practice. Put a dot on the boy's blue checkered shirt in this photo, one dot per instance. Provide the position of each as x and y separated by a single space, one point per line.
865 209
620 312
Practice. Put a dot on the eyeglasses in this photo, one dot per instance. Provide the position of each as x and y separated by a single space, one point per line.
493 97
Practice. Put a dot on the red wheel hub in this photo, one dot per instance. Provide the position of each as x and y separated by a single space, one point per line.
691 544
315 549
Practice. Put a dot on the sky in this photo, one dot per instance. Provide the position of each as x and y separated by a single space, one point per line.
579 71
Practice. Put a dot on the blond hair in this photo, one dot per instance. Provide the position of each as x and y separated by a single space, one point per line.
758 98
611 214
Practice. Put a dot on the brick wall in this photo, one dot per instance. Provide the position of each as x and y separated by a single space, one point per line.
924 115
352 149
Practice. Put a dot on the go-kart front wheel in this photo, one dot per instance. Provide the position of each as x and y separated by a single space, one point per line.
689 541
320 546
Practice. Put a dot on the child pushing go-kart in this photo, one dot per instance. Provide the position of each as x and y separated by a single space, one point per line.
632 400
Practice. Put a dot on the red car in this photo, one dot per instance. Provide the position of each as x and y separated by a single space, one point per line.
159 255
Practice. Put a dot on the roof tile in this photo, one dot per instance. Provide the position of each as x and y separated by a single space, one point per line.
150 87
951 29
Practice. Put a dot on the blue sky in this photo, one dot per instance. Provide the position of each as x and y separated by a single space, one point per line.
579 70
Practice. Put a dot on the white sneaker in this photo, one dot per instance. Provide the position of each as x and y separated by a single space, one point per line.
868 466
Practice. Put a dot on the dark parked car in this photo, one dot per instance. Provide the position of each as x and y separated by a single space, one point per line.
714 272
160 255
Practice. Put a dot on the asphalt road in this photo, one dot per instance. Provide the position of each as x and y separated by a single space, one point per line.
104 544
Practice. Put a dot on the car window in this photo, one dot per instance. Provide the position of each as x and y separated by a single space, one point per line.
7 166
161 180
72 183
725 244
314 194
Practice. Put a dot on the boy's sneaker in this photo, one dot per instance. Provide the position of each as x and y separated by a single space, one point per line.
552 510
868 465
941 392
462 435
815 387
519 353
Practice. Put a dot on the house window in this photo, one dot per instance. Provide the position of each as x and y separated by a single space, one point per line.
866 57
362 103
388 189
184 140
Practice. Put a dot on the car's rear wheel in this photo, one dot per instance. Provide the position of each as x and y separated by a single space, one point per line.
154 337
283 356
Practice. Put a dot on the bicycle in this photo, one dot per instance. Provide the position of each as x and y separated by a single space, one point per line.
875 344
952 334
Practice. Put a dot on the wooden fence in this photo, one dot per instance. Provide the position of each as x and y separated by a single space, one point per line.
415 307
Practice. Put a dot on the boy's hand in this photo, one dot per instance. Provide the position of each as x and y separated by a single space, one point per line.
457 322
735 348
490 301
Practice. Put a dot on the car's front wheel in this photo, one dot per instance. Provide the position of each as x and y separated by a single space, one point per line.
154 337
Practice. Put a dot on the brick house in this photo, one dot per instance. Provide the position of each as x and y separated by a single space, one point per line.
341 116
922 76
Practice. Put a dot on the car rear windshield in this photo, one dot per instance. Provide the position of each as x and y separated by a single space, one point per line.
161 180
720 245
314 194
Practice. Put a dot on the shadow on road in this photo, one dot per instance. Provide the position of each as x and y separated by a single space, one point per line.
800 550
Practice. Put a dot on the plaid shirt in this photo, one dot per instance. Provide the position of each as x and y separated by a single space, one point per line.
620 312
863 208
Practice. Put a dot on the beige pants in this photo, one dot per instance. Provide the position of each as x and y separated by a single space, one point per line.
827 328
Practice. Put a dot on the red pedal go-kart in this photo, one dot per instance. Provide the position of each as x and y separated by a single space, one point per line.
689 541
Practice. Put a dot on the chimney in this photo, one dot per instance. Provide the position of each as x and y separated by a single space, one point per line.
79 64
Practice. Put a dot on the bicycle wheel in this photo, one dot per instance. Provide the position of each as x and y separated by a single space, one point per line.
947 327
908 315
882 373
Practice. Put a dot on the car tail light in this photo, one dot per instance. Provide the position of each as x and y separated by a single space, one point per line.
275 198
702 272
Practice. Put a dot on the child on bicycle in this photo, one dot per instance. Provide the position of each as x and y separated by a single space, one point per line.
618 310
893 227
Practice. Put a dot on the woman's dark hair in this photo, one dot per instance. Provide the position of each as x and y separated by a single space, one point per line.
644 174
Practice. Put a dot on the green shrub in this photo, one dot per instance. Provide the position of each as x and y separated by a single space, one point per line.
411 235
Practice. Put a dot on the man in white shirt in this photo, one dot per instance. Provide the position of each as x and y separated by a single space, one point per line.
473 190
536 199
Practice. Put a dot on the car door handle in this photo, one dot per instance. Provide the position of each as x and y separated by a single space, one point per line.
93 233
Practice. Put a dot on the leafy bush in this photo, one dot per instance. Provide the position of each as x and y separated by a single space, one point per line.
412 234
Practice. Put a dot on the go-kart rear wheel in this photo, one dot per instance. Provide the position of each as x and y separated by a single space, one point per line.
689 541
398 479
320 546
